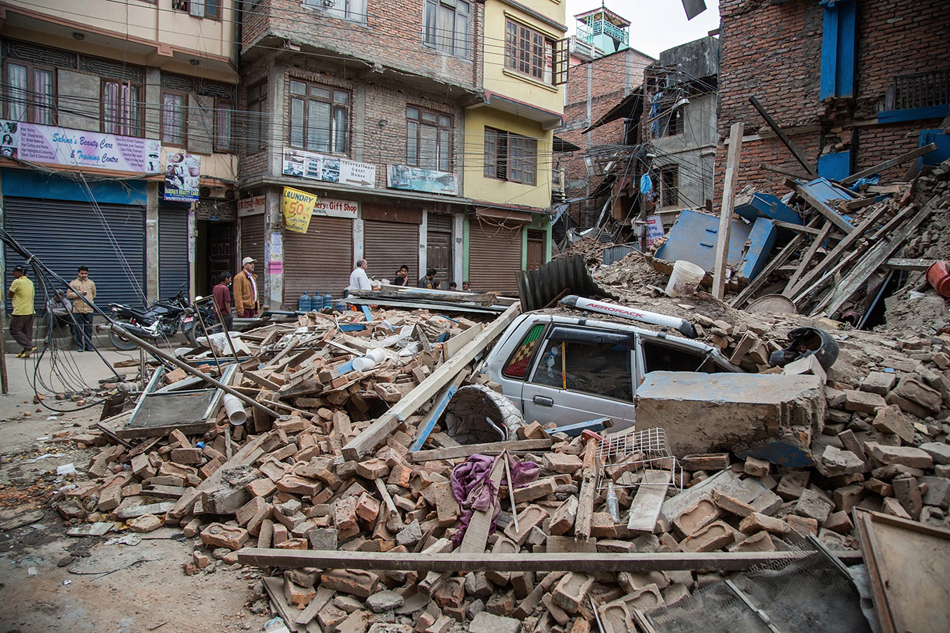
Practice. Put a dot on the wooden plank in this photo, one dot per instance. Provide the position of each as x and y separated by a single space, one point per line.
728 205
808 293
843 246
893 162
649 499
319 601
901 263
585 507
872 260
260 380
378 431
415 294
454 344
763 275
477 533
853 205
441 402
819 206
807 257
783 137
275 588
493 561
798 228
488 448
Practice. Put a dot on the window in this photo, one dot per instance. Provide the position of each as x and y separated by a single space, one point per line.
510 157
352 10
661 356
122 111
669 186
598 368
199 8
30 91
173 118
319 117
223 124
429 139
527 51
447 26
256 117
674 123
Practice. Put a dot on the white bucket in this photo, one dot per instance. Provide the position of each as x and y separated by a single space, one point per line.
235 410
685 279
377 355
363 364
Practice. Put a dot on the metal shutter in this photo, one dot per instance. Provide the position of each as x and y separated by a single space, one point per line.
67 234
494 257
252 241
389 245
172 251
320 260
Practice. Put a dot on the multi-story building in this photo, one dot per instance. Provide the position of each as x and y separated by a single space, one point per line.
508 140
100 99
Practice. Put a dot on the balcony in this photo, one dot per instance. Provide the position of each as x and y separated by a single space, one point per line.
587 31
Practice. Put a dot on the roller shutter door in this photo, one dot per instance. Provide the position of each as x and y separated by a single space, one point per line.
319 260
389 245
65 235
172 251
252 241
494 257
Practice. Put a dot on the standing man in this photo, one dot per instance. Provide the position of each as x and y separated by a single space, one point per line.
402 277
21 323
358 278
245 290
429 280
222 299
82 287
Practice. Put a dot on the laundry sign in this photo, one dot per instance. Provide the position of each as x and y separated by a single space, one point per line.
297 207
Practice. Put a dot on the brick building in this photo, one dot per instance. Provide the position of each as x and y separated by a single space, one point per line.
851 83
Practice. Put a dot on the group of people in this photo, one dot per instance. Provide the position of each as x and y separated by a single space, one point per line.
74 309
359 280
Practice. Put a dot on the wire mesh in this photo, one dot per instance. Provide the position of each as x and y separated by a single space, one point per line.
639 451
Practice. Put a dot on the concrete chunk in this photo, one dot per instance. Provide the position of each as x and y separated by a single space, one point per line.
750 412
900 455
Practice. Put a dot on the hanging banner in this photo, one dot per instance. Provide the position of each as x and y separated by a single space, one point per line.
297 207
182 172
419 179
63 146
654 229
328 168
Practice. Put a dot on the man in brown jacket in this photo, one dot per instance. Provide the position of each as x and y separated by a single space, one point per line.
245 290
82 286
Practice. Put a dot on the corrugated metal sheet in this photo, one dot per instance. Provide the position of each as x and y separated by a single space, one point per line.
65 235
616 253
494 257
252 241
537 288
172 251
389 245
319 260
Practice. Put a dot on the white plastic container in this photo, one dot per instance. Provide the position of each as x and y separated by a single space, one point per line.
235 410
364 364
685 279
376 355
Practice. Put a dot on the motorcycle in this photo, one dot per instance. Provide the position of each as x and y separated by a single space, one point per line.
161 320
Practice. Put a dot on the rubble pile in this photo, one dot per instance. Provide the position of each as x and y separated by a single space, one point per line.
291 485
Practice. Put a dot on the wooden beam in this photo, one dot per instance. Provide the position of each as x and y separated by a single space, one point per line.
783 172
819 206
858 203
489 561
725 214
798 228
488 448
585 508
783 137
901 263
763 275
807 257
897 160
378 431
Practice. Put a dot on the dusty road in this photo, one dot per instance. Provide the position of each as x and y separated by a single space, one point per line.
117 583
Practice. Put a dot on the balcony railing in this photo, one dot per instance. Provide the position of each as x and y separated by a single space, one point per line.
918 90
588 30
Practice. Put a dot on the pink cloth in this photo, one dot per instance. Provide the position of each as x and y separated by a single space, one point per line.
472 488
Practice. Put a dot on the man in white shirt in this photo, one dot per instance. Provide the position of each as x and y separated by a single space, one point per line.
358 278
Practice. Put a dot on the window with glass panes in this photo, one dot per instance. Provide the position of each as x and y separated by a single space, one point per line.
510 156
122 111
429 139
448 26
529 52
223 123
173 117
256 117
30 93
319 117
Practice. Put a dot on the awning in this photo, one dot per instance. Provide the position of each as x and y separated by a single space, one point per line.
506 216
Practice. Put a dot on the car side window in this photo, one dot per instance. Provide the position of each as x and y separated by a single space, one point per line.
517 366
601 369
661 356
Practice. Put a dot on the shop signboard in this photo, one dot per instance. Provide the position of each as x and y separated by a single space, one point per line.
424 180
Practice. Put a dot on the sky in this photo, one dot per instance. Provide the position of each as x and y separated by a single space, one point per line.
655 25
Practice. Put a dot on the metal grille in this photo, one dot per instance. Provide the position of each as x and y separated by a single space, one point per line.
24 51
217 89
812 593
644 450
111 69
494 257
389 245
177 82
173 269
320 260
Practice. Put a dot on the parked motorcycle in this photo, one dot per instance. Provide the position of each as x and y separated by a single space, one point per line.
161 320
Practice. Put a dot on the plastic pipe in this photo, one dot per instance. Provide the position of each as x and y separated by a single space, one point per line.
235 410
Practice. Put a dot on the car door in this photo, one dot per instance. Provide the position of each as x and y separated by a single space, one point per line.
580 374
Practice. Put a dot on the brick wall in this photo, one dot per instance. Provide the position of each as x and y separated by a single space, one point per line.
773 51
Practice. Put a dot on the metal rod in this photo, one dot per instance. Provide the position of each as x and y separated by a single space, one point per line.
207 335
224 328
511 493
154 351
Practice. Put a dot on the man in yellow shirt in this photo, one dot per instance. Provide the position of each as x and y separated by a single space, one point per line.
21 323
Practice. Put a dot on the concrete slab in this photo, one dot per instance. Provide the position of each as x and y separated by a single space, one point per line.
771 417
